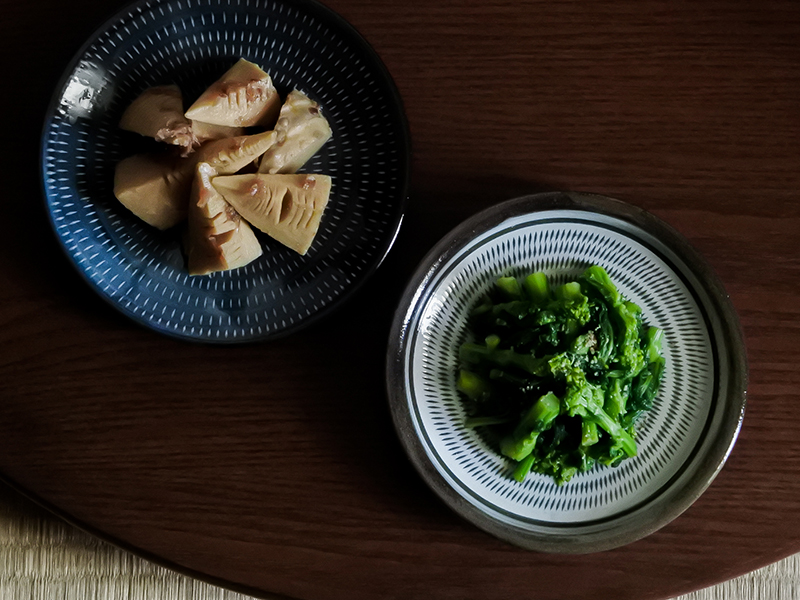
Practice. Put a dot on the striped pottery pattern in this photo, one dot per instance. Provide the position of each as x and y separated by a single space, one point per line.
191 43
562 244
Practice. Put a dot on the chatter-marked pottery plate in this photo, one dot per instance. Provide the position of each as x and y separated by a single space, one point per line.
683 441
140 270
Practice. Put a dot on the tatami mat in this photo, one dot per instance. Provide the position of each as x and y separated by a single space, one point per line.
43 558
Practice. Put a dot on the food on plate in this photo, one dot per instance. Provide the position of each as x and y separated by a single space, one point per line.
304 131
559 376
155 187
286 207
236 126
217 238
205 132
243 97
158 113
230 155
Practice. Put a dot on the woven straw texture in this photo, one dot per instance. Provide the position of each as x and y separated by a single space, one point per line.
43 558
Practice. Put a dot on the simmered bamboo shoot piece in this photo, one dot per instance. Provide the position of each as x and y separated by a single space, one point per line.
205 132
154 187
158 113
286 207
217 238
229 155
244 96
306 131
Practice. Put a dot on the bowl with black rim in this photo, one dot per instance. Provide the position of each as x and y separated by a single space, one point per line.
683 440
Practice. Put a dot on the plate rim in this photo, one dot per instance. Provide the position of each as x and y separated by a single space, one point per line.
405 152
625 529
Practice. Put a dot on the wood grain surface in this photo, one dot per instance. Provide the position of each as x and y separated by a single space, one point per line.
274 468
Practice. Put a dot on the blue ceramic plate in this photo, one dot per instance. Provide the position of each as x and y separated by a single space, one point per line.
141 271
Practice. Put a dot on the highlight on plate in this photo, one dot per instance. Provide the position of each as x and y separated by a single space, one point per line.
557 377
229 162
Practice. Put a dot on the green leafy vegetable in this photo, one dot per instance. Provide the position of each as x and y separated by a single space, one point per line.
562 373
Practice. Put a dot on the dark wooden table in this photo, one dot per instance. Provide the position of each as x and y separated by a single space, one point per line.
274 468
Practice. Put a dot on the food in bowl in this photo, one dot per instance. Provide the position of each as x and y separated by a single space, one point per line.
216 140
155 187
243 97
303 131
287 207
217 239
561 374
158 113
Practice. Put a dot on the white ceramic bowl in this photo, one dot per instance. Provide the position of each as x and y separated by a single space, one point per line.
683 441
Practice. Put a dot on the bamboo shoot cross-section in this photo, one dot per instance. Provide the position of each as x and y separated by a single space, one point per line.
244 96
287 207
217 238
